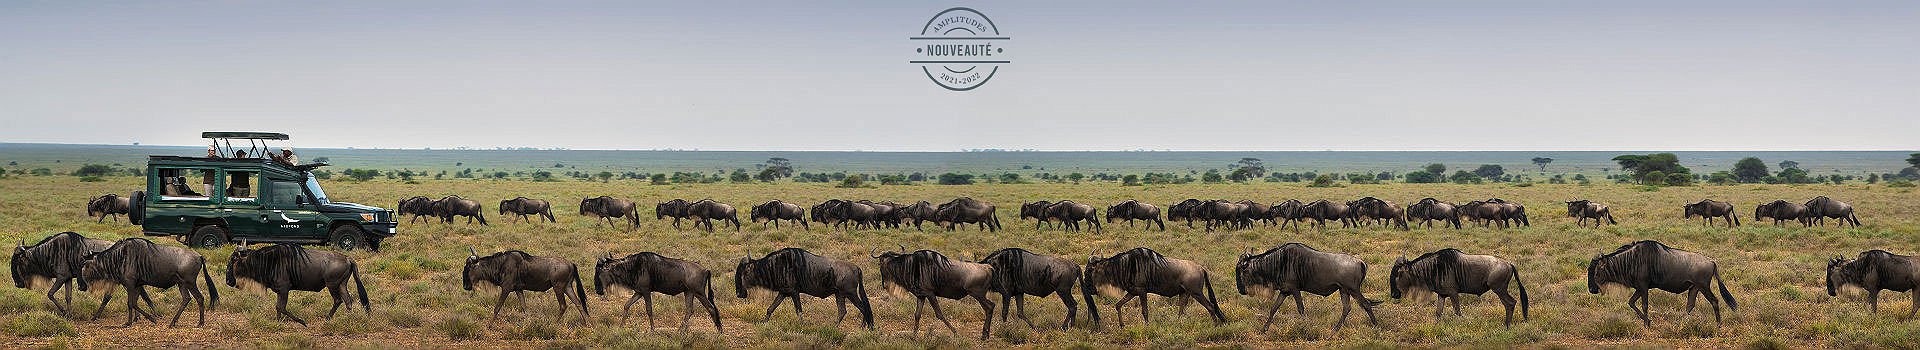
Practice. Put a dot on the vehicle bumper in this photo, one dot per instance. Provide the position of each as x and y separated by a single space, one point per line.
381 229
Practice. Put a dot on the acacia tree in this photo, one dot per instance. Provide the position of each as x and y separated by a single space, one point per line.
1542 162
1646 166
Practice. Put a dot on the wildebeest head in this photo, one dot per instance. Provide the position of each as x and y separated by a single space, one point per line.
1575 207
104 265
481 268
1400 278
605 270
1243 270
1835 266
746 274
586 204
234 261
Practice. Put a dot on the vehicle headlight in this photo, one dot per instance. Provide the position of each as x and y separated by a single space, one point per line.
367 217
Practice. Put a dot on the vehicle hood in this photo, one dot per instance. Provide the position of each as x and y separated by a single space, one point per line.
344 207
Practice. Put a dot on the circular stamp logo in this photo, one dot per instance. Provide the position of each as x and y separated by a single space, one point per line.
960 49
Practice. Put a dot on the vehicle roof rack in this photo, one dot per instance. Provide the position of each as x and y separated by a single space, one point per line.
256 143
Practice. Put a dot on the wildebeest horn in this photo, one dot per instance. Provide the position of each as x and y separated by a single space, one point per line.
903 248
472 253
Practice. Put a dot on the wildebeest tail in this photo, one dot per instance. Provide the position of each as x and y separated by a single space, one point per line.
1731 305
579 290
866 312
1523 294
212 291
361 287
1215 310
633 217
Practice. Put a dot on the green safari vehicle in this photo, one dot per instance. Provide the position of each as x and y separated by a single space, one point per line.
250 195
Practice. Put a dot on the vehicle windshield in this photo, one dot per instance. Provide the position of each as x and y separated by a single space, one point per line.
313 185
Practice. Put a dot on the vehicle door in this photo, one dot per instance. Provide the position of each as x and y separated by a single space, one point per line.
240 204
290 214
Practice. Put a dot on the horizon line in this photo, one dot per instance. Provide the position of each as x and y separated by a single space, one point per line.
990 150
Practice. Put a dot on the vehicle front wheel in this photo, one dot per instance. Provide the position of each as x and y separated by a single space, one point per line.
209 237
348 237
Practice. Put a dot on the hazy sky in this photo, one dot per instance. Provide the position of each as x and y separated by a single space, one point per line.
1086 75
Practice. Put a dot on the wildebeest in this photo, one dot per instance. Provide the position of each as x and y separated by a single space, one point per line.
647 273
1873 271
1820 208
1141 271
1448 273
1495 211
523 206
707 210
450 206
930 276
109 205
57 258
1131 210
774 210
791 272
1035 210
841 213
1322 210
966 210
1289 211
918 212
287 267
1183 211
1221 212
1255 212
1376 209
513 271
1070 215
1648 265
606 208
1708 209
1292 268
419 206
1586 209
1019 273
883 213
676 209
1430 209
136 263
1780 211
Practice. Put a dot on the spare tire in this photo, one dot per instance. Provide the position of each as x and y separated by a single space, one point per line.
137 209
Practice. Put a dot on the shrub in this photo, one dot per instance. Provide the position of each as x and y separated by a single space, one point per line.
1324 180
459 327
39 324
855 181
1899 183
956 179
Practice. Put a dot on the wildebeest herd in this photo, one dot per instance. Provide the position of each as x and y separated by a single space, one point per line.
928 276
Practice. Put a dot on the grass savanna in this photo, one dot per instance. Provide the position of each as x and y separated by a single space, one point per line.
414 281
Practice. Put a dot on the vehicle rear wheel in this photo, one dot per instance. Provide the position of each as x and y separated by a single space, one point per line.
209 237
348 237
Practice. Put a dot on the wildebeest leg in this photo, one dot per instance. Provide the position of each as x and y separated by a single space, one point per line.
560 295
1118 316
1298 305
1691 295
109 298
1456 304
1439 305
986 308
497 303
1278 297
628 309
935 302
649 299
1508 302
200 303
1346 306
132 305
55 290
1873 300
918 308
339 292
843 309
776 304
1007 299
1641 295
1019 302
1712 301
713 312
1144 320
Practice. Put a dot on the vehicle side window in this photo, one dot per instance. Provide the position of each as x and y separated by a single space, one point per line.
280 193
240 186
185 184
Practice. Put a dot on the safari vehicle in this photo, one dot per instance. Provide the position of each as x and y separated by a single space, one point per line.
250 195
